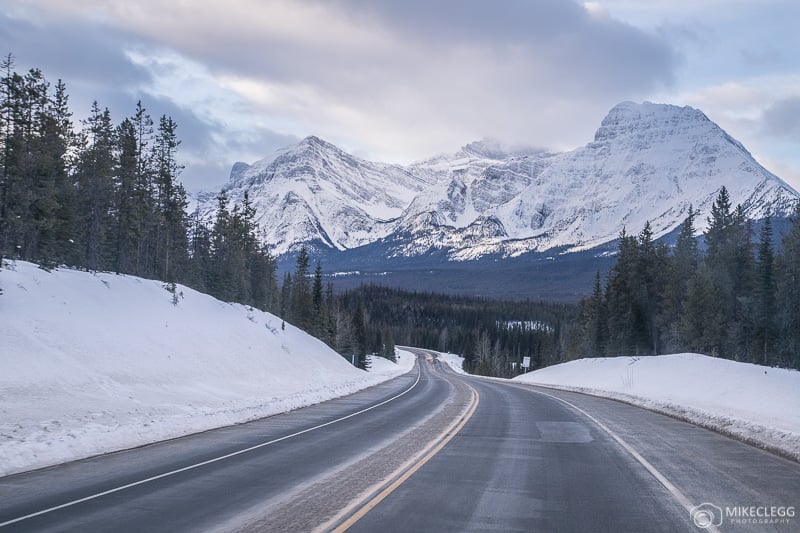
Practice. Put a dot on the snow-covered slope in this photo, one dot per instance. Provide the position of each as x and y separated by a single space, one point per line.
755 403
647 162
313 191
91 363
751 402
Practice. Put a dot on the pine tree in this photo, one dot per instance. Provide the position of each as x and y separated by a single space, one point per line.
624 318
171 200
286 296
66 215
129 211
95 181
200 253
703 324
730 261
789 294
302 301
318 317
765 308
680 271
8 92
595 321
390 351
360 338
144 192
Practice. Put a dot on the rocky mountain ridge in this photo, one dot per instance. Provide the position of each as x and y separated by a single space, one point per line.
647 162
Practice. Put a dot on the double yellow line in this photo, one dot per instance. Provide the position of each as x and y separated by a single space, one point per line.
368 502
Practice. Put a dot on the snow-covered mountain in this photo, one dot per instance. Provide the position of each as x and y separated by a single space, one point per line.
647 162
313 191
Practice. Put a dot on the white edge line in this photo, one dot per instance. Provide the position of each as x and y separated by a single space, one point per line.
207 462
673 490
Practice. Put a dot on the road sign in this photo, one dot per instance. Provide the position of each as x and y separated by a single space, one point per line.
526 362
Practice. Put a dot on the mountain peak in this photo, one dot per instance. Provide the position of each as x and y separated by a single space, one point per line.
635 119
494 149
314 142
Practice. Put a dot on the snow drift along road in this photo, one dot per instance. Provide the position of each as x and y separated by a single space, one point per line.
91 363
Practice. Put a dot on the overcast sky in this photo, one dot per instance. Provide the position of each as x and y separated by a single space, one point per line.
398 81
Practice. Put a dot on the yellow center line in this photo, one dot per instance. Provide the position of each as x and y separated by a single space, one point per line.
415 463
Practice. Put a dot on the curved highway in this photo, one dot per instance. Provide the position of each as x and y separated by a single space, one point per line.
429 451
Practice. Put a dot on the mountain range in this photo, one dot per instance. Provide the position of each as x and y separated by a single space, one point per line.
487 204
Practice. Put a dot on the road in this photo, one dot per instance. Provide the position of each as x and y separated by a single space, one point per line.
429 451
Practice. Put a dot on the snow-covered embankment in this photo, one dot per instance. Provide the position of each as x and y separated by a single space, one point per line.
91 363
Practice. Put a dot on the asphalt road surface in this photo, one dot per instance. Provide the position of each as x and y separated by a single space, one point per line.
429 451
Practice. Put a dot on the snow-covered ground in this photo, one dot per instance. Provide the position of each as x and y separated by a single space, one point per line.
754 403
91 363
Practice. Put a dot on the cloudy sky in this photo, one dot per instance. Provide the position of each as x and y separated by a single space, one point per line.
400 81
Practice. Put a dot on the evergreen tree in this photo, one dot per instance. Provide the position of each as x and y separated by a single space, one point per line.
360 338
765 309
389 348
64 158
201 257
128 207
730 260
704 322
95 183
8 92
595 321
789 294
625 320
286 295
171 245
301 311
144 192
318 317
681 269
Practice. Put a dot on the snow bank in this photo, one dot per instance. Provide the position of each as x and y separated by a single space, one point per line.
91 363
456 362
757 404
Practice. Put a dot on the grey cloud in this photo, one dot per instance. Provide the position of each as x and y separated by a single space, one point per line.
556 31
427 75
78 52
782 119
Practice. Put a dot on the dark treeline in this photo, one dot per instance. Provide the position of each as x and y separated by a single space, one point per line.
738 299
106 196
492 335
103 197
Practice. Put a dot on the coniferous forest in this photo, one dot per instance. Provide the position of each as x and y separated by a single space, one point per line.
737 298
106 195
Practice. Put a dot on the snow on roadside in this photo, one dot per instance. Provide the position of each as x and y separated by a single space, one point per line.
757 404
91 363
753 403
456 362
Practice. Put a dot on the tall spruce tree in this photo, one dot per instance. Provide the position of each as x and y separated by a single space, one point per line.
681 269
360 338
789 294
95 182
765 308
301 311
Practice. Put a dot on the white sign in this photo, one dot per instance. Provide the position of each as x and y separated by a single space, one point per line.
526 362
